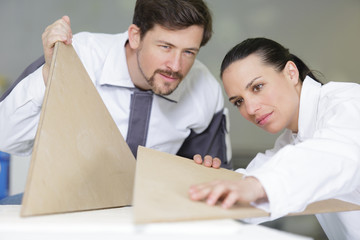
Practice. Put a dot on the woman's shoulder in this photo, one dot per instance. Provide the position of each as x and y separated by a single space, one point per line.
339 102
340 89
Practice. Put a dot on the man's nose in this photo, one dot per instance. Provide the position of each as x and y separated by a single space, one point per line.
174 62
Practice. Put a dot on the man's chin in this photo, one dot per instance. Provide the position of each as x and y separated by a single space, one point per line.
163 92
165 89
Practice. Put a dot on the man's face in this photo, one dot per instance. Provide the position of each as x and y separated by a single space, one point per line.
164 56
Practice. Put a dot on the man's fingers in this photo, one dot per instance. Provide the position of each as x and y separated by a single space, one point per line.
197 158
216 163
66 19
208 161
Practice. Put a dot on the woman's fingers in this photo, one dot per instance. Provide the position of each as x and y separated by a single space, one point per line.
228 192
230 200
217 191
199 192
211 192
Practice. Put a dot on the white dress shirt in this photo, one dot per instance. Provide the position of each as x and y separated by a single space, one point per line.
189 109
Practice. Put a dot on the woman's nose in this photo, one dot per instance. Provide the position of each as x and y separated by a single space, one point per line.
251 106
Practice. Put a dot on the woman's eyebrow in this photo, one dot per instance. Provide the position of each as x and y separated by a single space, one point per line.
251 82
246 87
231 98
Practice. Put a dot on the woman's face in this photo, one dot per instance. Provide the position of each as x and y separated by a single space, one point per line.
264 96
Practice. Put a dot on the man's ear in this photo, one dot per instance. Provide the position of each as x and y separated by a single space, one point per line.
134 36
292 72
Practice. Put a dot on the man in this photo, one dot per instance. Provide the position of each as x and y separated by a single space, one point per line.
153 62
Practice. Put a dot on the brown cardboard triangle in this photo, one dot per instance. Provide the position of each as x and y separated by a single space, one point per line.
80 160
161 189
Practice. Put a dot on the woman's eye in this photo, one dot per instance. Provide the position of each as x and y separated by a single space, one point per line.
258 87
238 102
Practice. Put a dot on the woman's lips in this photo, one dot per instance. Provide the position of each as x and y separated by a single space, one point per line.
262 120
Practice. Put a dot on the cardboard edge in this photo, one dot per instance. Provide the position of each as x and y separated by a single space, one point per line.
23 212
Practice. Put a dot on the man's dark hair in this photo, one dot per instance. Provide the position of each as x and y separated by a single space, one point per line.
173 15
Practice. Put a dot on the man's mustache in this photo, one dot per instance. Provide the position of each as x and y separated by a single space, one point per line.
169 73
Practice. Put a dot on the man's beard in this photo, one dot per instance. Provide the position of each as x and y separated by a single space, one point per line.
165 89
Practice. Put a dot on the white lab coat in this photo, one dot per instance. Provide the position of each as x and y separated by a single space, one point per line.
321 161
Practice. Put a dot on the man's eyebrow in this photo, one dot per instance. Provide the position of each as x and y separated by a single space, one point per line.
165 42
251 82
172 45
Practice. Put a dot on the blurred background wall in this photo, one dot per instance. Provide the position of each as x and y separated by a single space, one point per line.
324 33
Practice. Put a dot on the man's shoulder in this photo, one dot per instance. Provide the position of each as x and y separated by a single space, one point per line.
97 40
86 36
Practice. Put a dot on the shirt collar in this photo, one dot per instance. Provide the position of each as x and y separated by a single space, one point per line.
115 71
175 96
309 99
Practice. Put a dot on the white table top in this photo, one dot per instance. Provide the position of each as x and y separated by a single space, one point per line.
117 223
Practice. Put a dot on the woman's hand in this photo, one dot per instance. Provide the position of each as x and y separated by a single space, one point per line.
208 161
245 190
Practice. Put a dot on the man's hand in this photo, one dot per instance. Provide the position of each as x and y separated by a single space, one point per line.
208 161
58 31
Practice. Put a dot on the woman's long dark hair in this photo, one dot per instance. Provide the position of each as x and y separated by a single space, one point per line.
271 53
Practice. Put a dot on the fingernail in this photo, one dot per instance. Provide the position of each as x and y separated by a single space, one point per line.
224 205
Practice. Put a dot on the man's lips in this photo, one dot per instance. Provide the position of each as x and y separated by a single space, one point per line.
262 120
169 77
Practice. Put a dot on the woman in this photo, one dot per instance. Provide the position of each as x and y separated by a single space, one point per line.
317 156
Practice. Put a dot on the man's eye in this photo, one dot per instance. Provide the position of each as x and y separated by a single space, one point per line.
190 53
164 46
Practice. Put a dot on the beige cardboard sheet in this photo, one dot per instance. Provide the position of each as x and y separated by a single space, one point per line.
80 160
161 191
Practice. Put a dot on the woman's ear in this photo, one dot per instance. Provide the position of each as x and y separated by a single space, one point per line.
292 72
134 36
